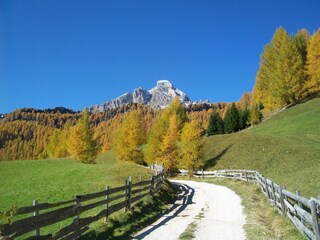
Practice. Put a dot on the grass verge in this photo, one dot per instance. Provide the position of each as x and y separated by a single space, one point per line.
188 234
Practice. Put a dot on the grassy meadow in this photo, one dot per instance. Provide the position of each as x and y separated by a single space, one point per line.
284 148
55 180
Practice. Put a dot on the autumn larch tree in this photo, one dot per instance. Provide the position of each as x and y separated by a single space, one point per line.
168 153
313 65
81 144
191 147
281 74
160 129
129 139
255 115
57 145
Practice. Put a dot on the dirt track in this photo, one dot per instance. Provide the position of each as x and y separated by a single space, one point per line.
216 210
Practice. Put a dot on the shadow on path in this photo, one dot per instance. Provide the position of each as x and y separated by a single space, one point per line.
185 195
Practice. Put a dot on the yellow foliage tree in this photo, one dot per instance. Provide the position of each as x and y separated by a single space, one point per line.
131 136
191 147
160 128
281 72
312 86
81 144
168 153
57 145
245 101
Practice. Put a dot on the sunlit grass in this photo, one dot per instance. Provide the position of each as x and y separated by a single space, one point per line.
285 148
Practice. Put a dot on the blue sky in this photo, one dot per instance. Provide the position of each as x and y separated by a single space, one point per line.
78 53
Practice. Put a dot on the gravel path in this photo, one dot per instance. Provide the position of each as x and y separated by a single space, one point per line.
216 210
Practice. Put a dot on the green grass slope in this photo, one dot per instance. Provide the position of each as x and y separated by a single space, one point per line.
56 180
285 148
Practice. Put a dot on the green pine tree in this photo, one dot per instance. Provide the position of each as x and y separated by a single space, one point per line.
231 119
244 116
215 124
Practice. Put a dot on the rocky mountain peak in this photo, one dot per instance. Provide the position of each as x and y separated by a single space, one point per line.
158 97
141 95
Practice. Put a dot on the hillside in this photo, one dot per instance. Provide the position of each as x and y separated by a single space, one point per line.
285 148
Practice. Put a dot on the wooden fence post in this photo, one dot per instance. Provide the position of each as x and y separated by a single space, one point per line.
107 203
246 174
151 186
140 187
300 205
126 194
77 217
267 188
35 213
202 174
225 172
283 209
274 195
129 193
315 220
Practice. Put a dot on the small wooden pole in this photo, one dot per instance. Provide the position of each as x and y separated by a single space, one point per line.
299 194
140 187
129 193
283 209
151 186
267 188
273 194
126 195
225 172
107 203
77 217
246 174
202 174
300 205
35 213
316 227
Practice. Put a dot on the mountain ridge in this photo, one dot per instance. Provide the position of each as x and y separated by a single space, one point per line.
158 97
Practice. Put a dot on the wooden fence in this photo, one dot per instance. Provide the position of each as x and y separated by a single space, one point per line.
303 213
112 200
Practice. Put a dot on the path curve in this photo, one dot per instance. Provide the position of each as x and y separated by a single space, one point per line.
216 210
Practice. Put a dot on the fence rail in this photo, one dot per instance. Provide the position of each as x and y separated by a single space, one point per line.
303 213
112 200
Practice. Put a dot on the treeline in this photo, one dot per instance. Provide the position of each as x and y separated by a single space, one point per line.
289 70
25 133
23 140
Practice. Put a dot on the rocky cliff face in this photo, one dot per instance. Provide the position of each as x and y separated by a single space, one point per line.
158 97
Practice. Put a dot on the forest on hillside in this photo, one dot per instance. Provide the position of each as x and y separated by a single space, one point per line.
289 72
